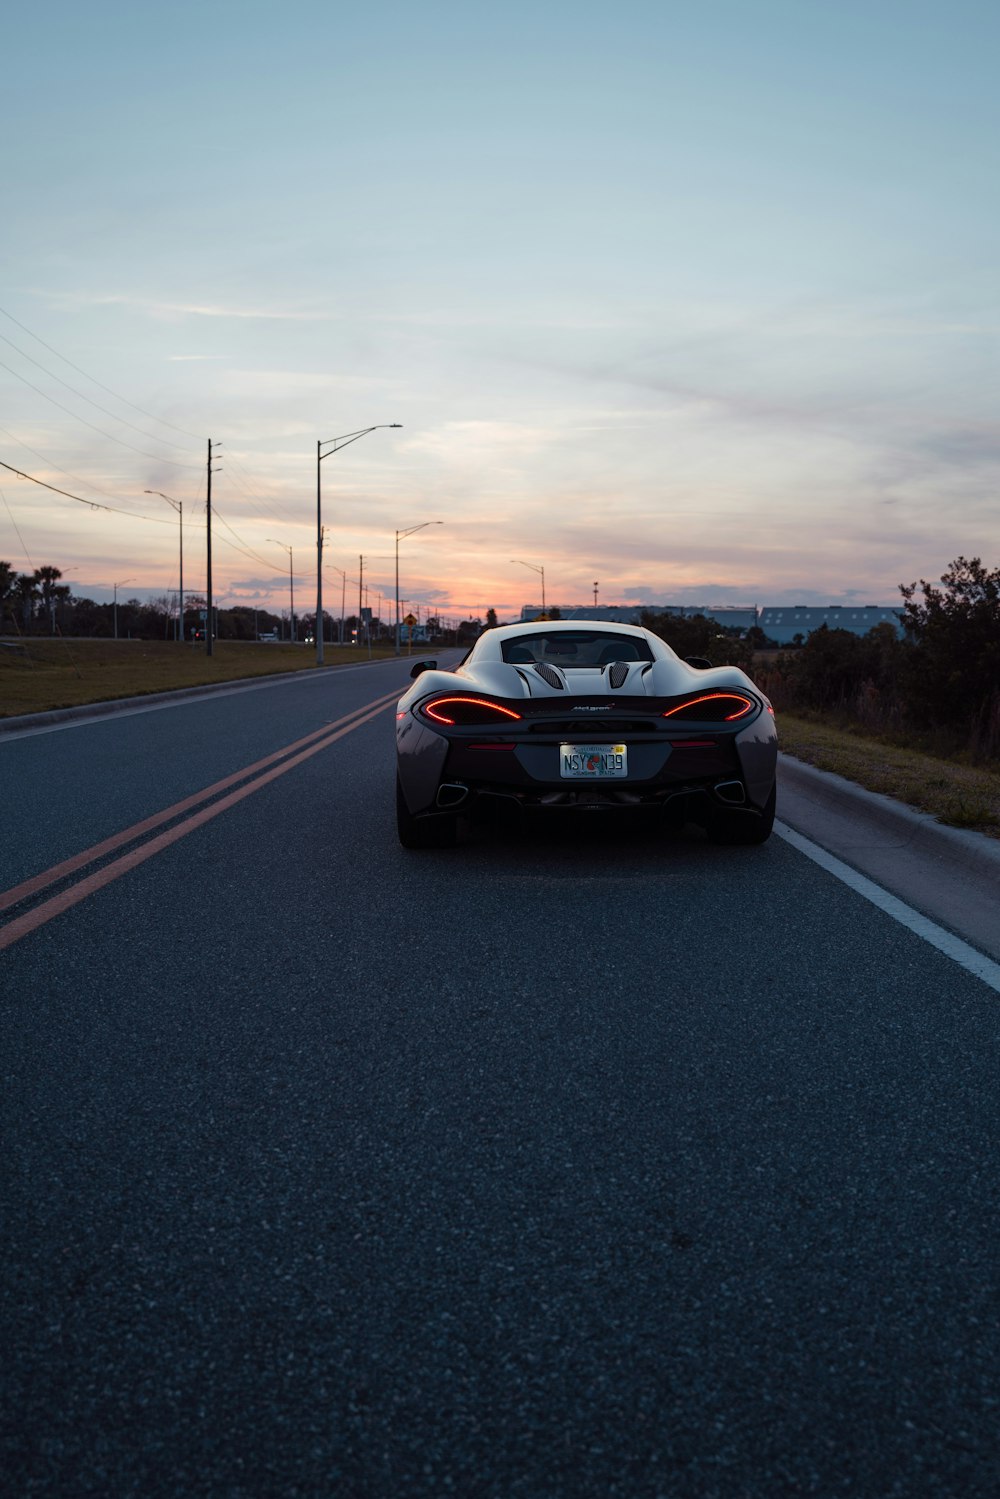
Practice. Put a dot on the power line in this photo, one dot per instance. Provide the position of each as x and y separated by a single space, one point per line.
142 411
94 505
249 490
43 458
48 462
96 404
156 457
252 499
17 528
245 545
242 550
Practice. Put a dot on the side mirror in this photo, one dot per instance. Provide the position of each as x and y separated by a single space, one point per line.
419 666
702 662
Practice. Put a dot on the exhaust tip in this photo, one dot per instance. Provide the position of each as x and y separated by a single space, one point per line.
731 792
451 795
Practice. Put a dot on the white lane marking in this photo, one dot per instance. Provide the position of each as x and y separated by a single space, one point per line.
953 947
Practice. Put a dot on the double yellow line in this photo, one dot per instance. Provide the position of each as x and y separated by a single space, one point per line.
253 777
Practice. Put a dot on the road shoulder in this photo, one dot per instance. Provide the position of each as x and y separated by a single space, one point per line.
951 875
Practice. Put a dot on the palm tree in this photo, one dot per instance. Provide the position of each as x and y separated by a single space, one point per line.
51 590
26 592
7 577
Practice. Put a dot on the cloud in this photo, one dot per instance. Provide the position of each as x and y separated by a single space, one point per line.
173 310
258 585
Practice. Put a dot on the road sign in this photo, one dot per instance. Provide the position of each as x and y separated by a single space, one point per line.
410 620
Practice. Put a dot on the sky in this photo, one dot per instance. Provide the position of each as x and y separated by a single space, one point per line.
699 303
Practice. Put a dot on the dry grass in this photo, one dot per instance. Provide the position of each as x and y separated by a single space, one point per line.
37 675
963 796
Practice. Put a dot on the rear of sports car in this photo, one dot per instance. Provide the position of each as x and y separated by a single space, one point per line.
705 756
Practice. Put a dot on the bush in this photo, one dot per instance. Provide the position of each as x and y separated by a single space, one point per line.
696 635
954 668
939 685
839 670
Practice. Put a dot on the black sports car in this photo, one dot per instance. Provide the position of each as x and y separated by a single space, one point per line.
576 717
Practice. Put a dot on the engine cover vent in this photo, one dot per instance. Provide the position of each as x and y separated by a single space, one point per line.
550 675
618 673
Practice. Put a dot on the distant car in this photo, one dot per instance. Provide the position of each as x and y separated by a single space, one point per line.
577 718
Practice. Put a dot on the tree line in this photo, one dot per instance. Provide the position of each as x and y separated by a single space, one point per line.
936 685
37 603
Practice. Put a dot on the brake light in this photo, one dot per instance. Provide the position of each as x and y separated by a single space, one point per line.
466 710
713 707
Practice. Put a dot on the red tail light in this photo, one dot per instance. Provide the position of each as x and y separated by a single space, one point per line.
466 710
713 707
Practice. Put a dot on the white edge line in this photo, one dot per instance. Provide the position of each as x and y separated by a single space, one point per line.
953 947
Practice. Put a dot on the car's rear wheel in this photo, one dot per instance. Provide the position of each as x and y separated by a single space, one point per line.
440 831
733 826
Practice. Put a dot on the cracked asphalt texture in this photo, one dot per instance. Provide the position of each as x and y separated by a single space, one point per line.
570 1163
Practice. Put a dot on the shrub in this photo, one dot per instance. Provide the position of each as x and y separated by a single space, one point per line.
697 635
954 668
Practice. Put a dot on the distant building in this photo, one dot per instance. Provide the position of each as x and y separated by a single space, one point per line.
730 618
783 622
631 614
616 614
779 622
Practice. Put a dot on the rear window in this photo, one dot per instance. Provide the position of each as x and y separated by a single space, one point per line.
575 648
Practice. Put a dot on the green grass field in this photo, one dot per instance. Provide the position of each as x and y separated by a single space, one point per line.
37 675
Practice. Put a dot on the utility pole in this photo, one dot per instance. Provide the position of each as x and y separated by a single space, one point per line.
209 621
319 561
179 507
291 586
361 579
333 445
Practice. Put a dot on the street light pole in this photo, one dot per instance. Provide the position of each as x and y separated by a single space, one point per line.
333 445
179 507
401 536
117 586
536 569
319 560
343 594
291 587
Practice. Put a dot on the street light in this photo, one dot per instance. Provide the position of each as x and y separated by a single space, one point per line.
401 536
536 569
333 445
343 592
116 588
179 507
291 587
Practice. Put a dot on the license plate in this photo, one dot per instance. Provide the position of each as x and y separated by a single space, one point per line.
593 762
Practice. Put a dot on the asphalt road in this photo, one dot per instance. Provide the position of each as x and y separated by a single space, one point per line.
585 1164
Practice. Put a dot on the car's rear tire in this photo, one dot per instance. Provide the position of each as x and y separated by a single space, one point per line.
440 831
734 826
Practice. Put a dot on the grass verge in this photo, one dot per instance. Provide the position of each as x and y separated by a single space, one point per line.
38 675
963 796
